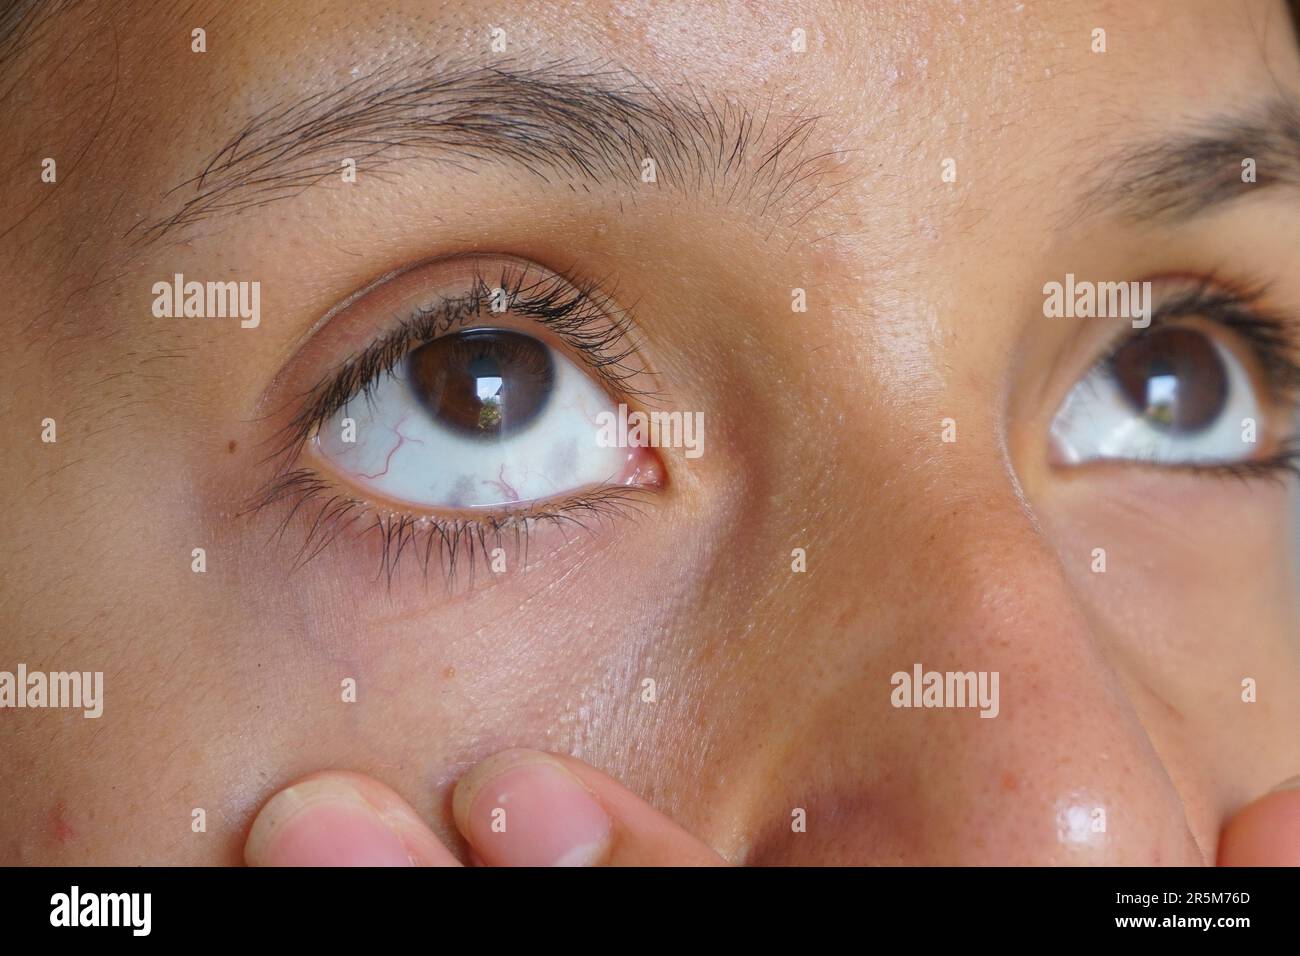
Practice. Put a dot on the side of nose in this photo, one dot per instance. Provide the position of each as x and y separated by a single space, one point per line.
976 714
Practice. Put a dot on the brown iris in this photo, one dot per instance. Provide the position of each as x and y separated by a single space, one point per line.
483 382
1174 377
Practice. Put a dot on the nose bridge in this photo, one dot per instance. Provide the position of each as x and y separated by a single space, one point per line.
997 727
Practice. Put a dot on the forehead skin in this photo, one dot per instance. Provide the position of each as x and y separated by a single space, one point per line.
821 435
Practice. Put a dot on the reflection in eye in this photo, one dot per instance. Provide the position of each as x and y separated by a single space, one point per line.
1171 396
477 418
485 382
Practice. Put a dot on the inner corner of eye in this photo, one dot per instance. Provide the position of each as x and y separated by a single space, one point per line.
482 418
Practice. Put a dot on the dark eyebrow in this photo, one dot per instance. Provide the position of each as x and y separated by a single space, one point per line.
1198 168
585 127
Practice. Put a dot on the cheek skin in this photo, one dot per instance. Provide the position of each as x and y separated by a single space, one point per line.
120 789
552 659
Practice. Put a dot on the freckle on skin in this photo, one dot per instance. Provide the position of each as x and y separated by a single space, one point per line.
232 446
449 673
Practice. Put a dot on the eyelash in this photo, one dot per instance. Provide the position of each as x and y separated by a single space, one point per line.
1271 339
576 311
457 539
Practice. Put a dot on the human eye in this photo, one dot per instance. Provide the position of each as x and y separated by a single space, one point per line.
464 413
1210 385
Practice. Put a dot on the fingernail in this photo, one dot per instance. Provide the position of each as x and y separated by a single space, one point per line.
522 808
323 822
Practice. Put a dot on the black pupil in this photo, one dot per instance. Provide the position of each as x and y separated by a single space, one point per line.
484 382
1174 377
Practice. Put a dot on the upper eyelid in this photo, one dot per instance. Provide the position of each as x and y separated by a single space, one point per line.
1271 336
580 312
1237 305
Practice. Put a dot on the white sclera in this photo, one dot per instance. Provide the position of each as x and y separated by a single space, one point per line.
402 453
1097 422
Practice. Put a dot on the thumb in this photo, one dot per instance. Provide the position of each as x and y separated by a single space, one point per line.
528 808
1266 832
341 819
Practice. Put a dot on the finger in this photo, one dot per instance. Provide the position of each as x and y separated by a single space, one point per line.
1266 832
341 819
528 808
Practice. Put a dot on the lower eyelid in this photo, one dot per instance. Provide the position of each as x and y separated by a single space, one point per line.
313 514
